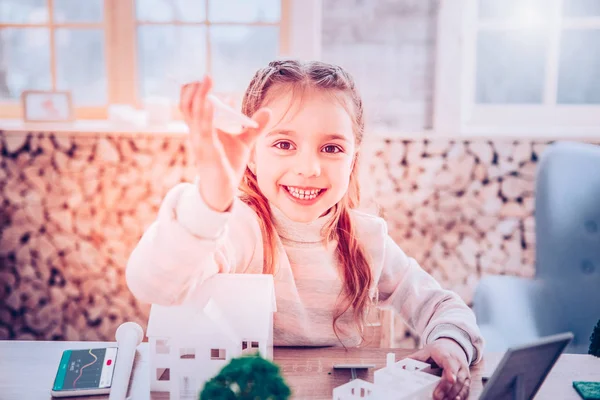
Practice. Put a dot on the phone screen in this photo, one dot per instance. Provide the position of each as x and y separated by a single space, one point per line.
86 369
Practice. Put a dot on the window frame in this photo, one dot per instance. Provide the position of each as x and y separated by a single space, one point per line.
455 109
300 37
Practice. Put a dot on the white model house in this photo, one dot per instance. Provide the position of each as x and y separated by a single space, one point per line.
358 389
231 315
402 380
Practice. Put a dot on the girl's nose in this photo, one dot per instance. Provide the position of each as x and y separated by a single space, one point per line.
308 165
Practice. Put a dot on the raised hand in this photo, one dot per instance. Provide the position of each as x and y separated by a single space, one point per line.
220 157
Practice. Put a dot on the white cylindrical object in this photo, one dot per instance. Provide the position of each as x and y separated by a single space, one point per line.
390 359
129 335
227 119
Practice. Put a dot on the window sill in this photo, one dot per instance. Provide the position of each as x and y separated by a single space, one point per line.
179 129
85 127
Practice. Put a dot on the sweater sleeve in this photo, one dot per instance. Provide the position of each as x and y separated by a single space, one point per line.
188 243
424 305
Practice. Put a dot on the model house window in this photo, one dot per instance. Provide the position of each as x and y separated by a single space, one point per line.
248 344
109 51
187 353
529 64
217 354
363 392
249 347
162 346
163 374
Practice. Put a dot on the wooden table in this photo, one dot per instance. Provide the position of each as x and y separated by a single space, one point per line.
27 370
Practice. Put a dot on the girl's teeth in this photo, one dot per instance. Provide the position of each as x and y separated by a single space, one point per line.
303 194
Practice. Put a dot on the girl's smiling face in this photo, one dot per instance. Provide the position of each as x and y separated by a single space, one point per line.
304 159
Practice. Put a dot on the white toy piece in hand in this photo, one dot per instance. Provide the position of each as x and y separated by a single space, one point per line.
225 118
229 120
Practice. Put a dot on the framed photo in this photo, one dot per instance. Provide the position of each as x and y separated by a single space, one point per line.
47 106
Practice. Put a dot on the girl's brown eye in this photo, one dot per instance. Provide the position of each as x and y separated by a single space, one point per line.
332 149
283 145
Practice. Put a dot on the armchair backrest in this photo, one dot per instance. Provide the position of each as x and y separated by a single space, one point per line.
567 218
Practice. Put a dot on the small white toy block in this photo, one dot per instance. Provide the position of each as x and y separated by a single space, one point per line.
227 316
406 380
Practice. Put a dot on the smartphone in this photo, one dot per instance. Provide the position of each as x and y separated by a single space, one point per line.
85 372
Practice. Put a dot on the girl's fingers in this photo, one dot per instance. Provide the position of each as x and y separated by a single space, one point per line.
449 378
442 388
185 99
461 377
203 115
206 121
451 368
464 392
198 103
262 117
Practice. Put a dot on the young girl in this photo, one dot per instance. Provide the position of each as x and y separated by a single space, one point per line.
294 218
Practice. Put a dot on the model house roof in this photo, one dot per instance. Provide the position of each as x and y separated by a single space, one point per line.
239 305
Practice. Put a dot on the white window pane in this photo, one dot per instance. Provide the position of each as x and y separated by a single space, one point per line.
526 11
25 61
23 11
238 51
169 56
581 8
579 69
78 10
171 10
81 65
244 10
510 67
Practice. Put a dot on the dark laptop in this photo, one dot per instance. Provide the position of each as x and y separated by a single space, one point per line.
523 369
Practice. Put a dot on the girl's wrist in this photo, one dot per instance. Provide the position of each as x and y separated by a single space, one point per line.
218 205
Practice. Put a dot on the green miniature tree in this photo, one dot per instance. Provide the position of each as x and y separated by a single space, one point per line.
247 378
595 341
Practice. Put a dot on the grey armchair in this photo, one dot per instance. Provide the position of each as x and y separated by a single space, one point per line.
565 293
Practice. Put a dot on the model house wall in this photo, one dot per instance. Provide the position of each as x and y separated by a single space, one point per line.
228 316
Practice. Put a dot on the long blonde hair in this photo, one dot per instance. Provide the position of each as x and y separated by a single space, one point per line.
356 272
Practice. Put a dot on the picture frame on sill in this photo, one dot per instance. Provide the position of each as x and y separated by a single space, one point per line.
47 106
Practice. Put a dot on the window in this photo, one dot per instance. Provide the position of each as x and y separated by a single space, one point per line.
162 346
249 347
182 40
524 64
61 47
163 374
187 353
217 354
112 51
